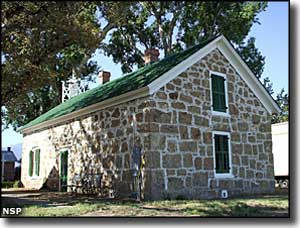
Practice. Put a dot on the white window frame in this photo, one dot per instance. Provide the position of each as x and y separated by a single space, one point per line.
222 175
34 176
217 113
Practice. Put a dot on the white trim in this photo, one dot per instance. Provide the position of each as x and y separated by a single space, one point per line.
223 175
181 67
217 73
224 47
59 166
247 75
144 91
217 113
235 60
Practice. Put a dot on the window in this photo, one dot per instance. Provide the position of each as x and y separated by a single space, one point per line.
63 171
30 171
37 162
222 154
219 93
34 162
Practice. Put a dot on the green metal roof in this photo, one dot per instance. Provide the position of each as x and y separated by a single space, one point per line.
128 82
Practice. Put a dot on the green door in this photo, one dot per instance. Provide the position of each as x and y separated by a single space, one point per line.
63 170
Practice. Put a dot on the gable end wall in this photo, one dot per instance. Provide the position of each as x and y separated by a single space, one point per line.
180 161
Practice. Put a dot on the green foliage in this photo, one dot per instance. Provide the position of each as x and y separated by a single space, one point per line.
252 56
268 85
180 197
119 86
207 19
77 209
7 184
17 184
282 100
173 26
41 43
11 184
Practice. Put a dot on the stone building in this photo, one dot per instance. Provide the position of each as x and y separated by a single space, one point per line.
8 160
196 124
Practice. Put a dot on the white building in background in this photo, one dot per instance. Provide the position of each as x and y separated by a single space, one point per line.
280 138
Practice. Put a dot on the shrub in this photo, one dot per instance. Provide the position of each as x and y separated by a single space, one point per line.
180 197
11 184
17 184
7 184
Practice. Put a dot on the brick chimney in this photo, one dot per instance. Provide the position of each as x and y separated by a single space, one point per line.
104 76
151 55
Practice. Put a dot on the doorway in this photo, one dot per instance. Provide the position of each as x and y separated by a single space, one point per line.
64 170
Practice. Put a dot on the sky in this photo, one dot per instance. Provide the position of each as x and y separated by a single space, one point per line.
271 39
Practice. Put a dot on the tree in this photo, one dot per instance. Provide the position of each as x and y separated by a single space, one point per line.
282 100
268 85
42 43
173 26
252 56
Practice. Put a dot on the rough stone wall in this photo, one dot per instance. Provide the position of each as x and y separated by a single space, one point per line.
174 129
180 160
48 166
100 142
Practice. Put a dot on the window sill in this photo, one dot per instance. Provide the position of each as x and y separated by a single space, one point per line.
34 177
216 113
224 176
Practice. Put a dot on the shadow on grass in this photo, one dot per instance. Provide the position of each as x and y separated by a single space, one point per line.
46 199
239 209
273 206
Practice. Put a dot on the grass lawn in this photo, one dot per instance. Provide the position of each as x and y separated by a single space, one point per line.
272 206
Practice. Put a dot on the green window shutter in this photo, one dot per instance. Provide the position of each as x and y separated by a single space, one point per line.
222 154
30 169
218 93
37 162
